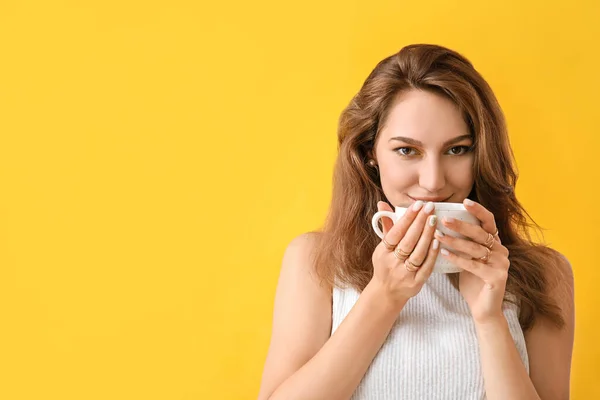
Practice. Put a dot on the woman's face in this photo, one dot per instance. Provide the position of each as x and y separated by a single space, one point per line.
424 151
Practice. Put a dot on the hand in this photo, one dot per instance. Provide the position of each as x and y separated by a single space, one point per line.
405 257
482 282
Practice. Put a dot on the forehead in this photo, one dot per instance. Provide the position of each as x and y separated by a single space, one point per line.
424 116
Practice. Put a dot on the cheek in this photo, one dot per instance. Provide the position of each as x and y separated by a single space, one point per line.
394 179
461 174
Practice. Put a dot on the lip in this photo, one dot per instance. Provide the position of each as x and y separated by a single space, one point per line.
432 199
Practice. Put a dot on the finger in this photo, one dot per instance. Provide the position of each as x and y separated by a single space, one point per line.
474 232
488 223
386 223
464 246
427 267
409 241
422 247
492 277
398 231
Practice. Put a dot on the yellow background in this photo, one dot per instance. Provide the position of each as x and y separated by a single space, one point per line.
157 157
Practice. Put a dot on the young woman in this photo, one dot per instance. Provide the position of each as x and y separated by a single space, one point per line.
363 318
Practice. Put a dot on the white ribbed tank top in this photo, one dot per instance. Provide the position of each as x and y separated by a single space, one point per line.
432 351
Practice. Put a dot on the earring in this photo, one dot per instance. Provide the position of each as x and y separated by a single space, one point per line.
373 165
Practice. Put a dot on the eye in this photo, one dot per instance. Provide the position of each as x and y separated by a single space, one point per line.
459 150
405 151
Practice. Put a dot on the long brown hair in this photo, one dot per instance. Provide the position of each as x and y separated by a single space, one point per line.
343 252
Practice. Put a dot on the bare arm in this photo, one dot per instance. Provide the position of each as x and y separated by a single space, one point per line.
504 374
302 363
549 350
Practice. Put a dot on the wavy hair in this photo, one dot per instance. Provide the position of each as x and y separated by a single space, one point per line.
343 254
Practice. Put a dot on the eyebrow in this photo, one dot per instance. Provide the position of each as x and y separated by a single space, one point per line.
418 143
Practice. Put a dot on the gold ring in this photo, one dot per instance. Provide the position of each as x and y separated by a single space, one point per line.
485 258
489 242
401 254
410 266
387 245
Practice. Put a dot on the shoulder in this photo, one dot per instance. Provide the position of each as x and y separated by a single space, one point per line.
300 251
301 315
561 279
303 244
559 289
299 258
550 349
561 260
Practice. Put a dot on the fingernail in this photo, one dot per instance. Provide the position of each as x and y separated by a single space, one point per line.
449 219
429 207
417 206
439 233
436 244
469 202
433 220
444 252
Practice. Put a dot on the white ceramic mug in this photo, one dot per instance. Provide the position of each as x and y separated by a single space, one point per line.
454 210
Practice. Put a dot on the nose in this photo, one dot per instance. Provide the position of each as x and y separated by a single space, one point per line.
432 176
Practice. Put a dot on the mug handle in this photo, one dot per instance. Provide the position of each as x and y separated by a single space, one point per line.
380 214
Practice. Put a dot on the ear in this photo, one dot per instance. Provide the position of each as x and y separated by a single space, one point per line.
371 155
